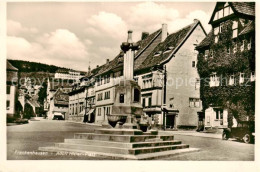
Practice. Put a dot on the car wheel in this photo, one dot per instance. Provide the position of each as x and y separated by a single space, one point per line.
224 136
247 138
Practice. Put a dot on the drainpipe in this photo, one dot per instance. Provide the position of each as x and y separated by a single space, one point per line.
164 96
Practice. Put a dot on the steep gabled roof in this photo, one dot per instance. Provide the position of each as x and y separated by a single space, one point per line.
206 41
249 27
10 67
164 51
246 8
146 46
61 97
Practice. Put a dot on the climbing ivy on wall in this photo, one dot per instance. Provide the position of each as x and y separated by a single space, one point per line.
238 99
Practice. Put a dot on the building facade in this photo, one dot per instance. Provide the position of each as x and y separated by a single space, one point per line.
160 59
226 64
11 89
57 102
68 74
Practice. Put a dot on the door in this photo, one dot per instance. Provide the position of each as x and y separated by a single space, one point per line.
170 121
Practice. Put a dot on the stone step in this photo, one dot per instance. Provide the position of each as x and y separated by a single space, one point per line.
150 156
125 132
116 150
146 150
119 131
122 144
121 138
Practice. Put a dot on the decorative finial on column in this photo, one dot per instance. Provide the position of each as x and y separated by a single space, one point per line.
129 38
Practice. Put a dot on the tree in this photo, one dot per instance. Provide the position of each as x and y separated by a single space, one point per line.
28 111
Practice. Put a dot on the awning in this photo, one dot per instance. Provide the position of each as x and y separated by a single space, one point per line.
170 111
90 111
58 114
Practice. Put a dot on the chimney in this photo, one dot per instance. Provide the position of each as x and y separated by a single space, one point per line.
129 37
164 32
144 35
107 61
195 20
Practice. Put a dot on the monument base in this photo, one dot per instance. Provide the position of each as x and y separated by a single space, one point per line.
122 144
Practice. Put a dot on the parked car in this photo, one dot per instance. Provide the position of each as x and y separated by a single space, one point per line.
245 131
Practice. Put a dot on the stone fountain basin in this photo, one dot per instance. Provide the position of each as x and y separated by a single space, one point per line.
114 119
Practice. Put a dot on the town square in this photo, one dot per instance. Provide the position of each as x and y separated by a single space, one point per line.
132 81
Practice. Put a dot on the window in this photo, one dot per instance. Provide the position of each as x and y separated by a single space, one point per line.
98 82
221 28
100 97
249 44
216 39
208 120
136 95
231 80
228 50
7 104
121 98
194 102
108 110
235 48
147 83
8 89
235 28
242 46
143 102
211 53
149 101
252 77
220 13
214 80
241 78
193 64
107 95
219 114
99 111
108 78
197 84
206 54
216 30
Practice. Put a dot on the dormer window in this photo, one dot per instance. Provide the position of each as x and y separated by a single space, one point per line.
158 53
168 49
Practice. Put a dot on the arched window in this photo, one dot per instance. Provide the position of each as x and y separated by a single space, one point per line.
136 95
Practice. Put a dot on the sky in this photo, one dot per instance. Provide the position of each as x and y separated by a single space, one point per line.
78 34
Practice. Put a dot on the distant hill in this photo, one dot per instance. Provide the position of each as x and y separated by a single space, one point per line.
36 71
26 66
